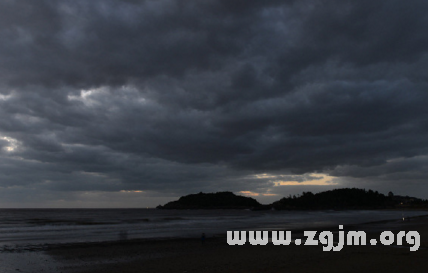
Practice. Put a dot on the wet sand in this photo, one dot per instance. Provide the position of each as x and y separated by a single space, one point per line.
28 261
215 255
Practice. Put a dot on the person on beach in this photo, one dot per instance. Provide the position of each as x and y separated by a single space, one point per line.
203 238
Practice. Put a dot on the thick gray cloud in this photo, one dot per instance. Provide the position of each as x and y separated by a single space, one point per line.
171 97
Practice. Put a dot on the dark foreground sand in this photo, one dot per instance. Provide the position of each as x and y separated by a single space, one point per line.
217 256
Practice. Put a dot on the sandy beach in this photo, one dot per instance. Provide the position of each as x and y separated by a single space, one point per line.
215 255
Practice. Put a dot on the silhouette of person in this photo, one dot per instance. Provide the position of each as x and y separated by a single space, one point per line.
203 238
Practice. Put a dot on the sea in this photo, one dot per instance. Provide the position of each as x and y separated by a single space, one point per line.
22 229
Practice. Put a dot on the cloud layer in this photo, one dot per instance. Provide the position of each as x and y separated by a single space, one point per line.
171 97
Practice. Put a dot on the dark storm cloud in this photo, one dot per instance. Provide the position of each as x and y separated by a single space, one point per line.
178 96
88 43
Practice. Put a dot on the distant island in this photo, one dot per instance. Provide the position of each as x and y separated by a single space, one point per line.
338 199
219 200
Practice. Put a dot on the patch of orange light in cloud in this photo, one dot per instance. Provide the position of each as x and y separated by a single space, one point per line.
264 175
325 180
130 191
250 193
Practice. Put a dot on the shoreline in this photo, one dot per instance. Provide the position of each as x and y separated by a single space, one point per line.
188 254
215 255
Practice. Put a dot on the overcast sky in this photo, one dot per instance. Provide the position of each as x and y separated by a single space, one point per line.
109 103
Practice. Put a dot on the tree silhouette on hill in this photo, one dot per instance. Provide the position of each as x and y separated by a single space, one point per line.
336 199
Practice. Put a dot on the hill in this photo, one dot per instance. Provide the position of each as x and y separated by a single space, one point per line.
219 200
337 199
